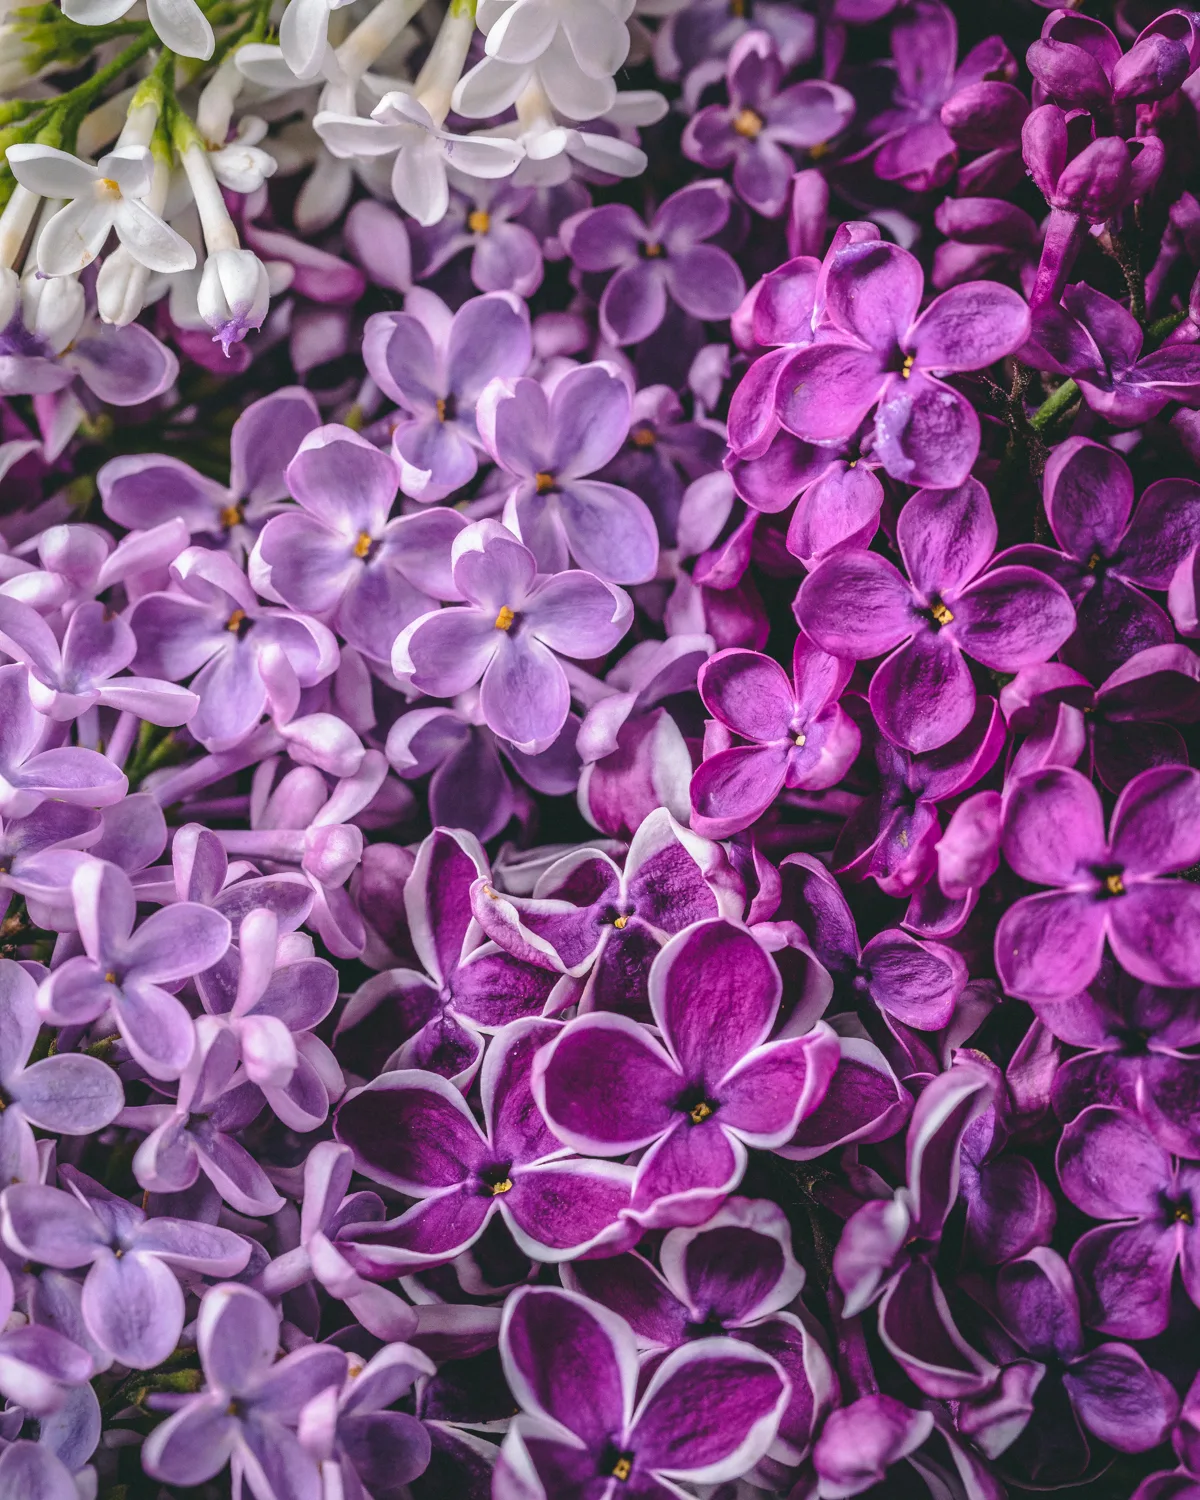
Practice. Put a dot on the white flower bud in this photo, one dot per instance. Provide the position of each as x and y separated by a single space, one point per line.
10 293
121 288
234 294
52 308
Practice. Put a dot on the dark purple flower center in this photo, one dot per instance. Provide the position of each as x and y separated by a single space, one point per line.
496 1180
1109 883
616 1463
651 250
238 624
1179 1210
710 1328
697 1104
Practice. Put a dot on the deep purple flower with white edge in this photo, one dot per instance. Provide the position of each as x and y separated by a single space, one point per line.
1112 1168
338 555
588 918
415 1133
857 604
435 1020
249 1405
709 1413
509 634
433 364
363 1446
1098 342
127 971
797 734
712 1087
761 121
67 678
878 353
887 1247
916 983
214 631
1111 1392
141 490
67 1093
270 992
196 1132
1107 887
549 439
39 1366
132 1302
29 774
735 1275
666 258
1115 551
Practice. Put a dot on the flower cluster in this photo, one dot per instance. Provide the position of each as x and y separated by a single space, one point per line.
599 852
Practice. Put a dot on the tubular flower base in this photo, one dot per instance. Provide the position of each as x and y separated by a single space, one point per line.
599 750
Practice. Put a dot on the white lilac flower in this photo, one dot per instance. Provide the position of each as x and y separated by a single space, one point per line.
179 24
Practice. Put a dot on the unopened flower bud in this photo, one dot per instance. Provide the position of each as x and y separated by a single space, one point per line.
234 294
121 288
52 308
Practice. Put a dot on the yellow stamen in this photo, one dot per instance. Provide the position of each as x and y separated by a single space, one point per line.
652 250
1183 1214
479 221
747 123
441 408
1093 562
801 739
643 437
505 618
737 9
621 923
941 614
231 516
111 186
544 482
906 368
1114 885
501 1187
234 621
363 545
110 977
699 1113
623 1468
822 148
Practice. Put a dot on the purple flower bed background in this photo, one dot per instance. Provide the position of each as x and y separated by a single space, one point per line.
599 845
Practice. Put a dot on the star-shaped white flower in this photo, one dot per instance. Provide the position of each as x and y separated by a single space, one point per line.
105 197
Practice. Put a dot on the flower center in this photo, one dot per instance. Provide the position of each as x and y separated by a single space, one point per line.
1183 1213
110 977
652 250
1093 562
231 516
544 482
503 1186
700 1112
235 621
621 923
643 436
363 545
822 148
941 615
1114 885
110 187
906 368
801 739
623 1467
479 221
747 123
504 620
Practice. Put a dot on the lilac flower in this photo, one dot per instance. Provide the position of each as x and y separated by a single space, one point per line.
1111 1392
1112 1168
1099 344
142 490
132 1302
712 1087
39 1367
126 971
39 853
661 451
246 1413
29 773
984 237
588 918
69 1093
214 631
708 1413
506 254
667 257
415 1133
761 120
798 734
858 604
862 1441
1078 63
196 1133
434 364
339 557
734 1276
693 39
1050 945
509 634
433 1020
118 366
877 354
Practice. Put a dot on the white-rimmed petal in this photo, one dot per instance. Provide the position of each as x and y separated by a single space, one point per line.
75 235
182 26
149 239
419 181
50 172
131 168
